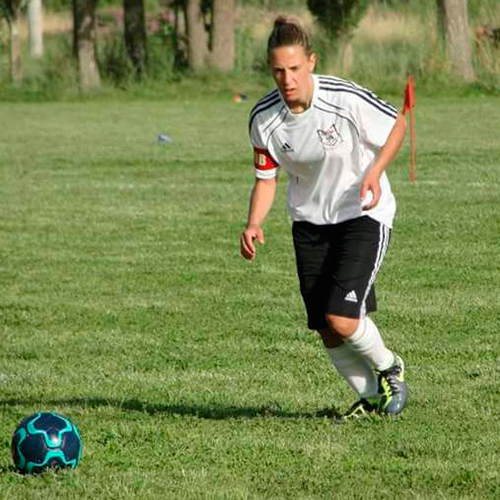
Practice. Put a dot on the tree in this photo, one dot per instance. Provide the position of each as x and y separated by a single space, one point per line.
197 35
179 38
454 23
84 43
135 35
35 25
11 10
339 18
210 42
223 19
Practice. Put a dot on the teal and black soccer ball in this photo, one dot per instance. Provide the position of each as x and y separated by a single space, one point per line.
46 440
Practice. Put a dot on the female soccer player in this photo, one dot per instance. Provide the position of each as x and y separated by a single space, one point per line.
335 140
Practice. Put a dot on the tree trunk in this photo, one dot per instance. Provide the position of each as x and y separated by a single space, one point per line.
135 35
179 36
35 25
16 59
223 35
197 36
12 12
84 43
453 19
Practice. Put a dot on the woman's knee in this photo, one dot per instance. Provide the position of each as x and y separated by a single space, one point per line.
330 338
342 325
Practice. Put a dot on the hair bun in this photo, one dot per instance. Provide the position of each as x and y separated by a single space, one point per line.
283 20
288 31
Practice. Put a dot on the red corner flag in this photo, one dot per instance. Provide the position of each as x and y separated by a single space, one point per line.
408 106
409 95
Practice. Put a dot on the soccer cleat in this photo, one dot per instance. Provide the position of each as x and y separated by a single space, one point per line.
392 389
363 408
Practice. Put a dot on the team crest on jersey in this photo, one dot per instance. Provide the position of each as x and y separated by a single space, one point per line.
329 137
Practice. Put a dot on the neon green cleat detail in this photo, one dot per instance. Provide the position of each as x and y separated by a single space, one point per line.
364 408
393 389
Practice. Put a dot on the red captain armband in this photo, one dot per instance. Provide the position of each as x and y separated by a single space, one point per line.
263 160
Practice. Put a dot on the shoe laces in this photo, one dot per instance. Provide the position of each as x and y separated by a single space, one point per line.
390 375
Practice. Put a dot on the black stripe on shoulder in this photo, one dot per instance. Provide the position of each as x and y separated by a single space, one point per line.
334 79
281 116
278 115
367 93
262 107
386 109
364 91
269 96
331 80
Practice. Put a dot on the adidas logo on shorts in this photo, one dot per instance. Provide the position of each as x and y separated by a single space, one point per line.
351 297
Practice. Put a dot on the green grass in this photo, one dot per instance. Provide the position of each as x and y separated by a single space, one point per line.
126 306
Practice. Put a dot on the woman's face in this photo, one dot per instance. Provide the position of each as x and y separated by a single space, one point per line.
291 69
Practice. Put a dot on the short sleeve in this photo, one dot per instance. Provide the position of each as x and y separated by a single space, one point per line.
265 164
374 116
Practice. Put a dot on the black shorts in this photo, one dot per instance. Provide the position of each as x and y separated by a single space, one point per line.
337 265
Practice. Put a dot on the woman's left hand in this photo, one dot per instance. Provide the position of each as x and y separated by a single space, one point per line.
370 184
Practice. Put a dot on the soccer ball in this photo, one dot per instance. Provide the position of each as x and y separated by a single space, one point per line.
46 440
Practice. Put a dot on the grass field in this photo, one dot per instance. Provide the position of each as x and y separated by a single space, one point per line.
125 305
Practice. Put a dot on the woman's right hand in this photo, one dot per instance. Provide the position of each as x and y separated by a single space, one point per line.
247 239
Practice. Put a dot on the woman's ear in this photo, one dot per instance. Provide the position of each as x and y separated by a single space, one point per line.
312 62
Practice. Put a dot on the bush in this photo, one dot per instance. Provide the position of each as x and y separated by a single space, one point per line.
338 17
164 63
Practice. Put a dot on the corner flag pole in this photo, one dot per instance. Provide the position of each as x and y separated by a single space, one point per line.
409 104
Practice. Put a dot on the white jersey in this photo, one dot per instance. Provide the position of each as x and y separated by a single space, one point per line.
326 150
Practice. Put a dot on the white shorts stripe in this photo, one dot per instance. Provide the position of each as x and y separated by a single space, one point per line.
382 249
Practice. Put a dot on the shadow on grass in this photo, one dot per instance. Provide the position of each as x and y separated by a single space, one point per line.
213 412
7 470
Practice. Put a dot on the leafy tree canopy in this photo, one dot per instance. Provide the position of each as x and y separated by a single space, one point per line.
338 17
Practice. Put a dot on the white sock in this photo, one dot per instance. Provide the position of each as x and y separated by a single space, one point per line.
355 370
367 342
